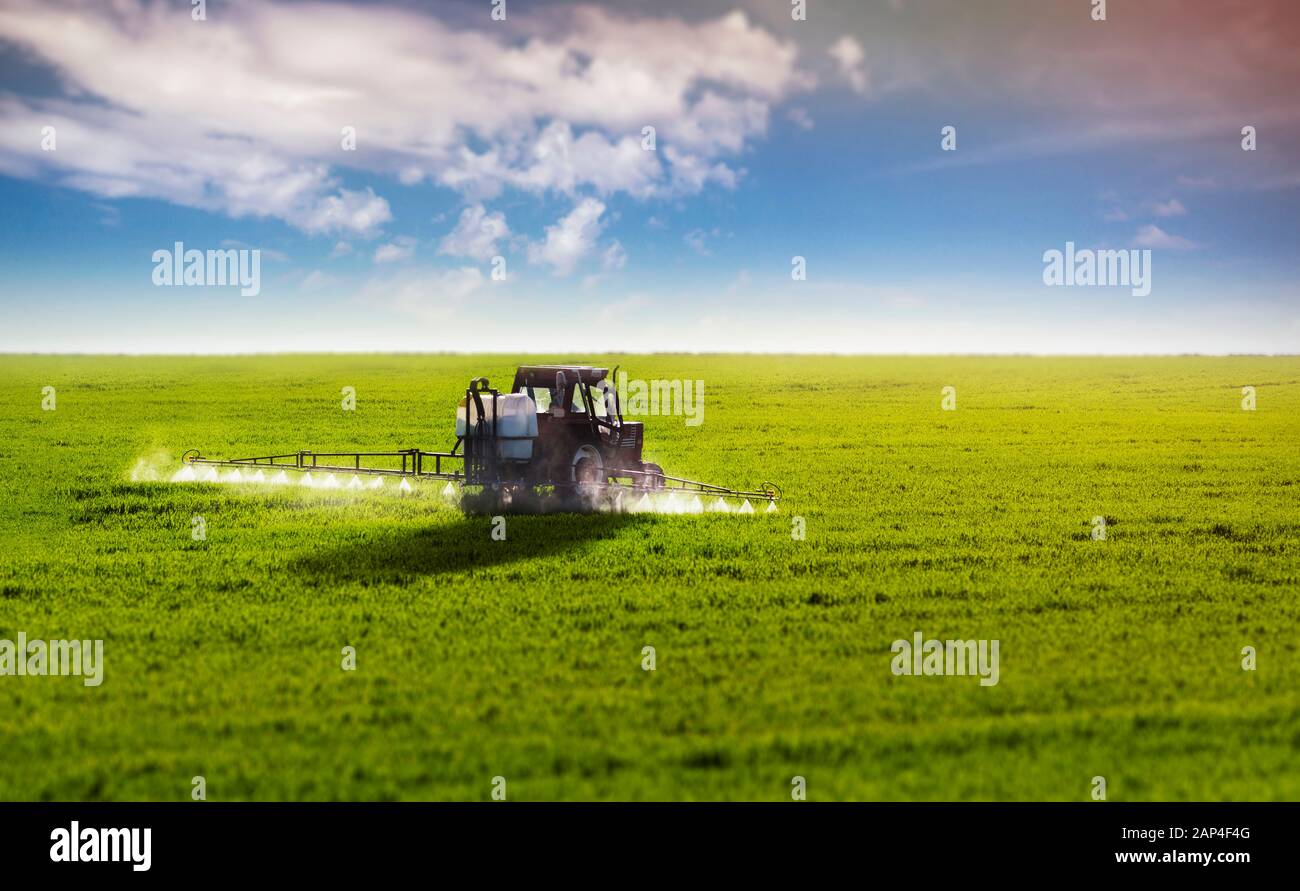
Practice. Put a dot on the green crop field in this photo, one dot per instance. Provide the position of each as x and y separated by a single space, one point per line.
523 658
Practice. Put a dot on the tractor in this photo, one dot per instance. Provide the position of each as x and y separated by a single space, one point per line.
580 438
556 441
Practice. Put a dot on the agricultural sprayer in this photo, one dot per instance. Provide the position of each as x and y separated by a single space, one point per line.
557 441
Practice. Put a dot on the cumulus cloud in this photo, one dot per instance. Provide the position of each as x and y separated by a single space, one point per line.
1152 236
691 173
554 159
571 239
850 59
800 117
315 281
400 248
614 258
476 234
1171 208
121 154
698 241
243 113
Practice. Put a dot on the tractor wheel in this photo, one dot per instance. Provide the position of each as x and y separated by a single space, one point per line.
653 477
586 471
587 466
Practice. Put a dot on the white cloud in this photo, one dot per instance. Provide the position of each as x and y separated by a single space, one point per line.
242 114
697 240
315 281
614 257
691 173
266 253
476 234
718 125
553 159
1154 237
800 117
1171 208
109 215
850 59
361 213
118 153
341 249
571 239
400 248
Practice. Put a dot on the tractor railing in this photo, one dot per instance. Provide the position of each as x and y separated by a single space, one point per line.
650 480
414 462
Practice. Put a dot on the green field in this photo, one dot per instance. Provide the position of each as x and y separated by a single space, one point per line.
523 658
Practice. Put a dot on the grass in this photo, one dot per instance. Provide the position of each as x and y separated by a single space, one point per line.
478 658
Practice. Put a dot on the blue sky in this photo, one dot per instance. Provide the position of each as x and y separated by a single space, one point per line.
775 138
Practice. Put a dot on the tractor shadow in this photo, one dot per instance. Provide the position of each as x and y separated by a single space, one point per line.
463 545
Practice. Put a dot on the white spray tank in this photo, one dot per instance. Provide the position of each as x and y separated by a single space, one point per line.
514 417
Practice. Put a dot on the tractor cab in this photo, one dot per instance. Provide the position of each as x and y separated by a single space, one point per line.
574 393
580 426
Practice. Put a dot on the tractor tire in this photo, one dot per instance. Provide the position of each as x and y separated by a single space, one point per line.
586 471
587 466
